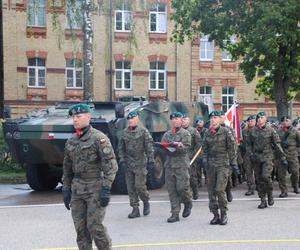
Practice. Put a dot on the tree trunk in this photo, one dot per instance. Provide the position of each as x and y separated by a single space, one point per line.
281 86
88 51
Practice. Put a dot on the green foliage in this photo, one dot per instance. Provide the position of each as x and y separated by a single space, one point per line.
268 36
6 162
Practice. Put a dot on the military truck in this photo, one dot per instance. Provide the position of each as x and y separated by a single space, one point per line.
39 139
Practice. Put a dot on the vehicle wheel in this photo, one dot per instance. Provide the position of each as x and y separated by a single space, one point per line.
39 178
156 176
119 185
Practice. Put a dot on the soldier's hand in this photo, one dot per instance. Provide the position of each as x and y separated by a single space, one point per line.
67 198
285 164
176 144
104 196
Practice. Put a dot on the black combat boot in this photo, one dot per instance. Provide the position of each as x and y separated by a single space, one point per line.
296 190
263 204
173 218
146 210
135 213
270 199
187 209
283 194
195 194
224 219
216 219
249 192
229 195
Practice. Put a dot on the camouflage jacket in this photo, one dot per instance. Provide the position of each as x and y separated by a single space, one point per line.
202 132
246 140
290 141
179 158
195 141
219 148
262 142
90 157
136 147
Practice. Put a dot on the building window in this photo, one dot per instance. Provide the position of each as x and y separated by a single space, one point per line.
123 75
36 72
205 94
36 16
74 73
123 17
226 56
74 15
227 97
158 18
206 49
157 76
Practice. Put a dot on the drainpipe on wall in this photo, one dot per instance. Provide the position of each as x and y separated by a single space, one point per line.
1 64
110 52
176 73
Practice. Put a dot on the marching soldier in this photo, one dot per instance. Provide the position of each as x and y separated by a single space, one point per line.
195 145
178 142
89 169
296 124
290 140
136 154
262 140
248 167
218 159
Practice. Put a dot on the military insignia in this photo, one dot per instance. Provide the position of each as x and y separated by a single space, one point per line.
106 150
102 141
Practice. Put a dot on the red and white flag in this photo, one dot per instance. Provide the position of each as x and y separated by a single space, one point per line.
233 120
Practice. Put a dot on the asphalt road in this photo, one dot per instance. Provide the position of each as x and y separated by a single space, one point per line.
31 220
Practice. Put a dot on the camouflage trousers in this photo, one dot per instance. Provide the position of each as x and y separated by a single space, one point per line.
136 186
217 179
249 172
193 171
178 185
88 216
294 170
263 172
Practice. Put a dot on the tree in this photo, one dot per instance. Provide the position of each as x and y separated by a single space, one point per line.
268 35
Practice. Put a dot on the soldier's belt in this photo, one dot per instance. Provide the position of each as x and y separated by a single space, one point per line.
87 175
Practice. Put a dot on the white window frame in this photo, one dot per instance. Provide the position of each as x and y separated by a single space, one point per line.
37 5
123 72
157 72
227 96
205 96
36 68
206 46
126 18
74 70
76 23
160 20
226 56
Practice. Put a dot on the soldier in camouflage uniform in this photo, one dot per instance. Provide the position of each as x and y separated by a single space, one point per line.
262 140
195 145
218 159
136 154
296 124
89 169
248 167
201 171
290 140
177 141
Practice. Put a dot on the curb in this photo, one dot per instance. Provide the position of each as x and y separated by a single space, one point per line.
13 180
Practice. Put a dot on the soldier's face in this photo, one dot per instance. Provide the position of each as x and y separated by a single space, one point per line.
251 123
262 120
214 121
222 119
176 122
133 122
200 125
81 120
287 123
186 122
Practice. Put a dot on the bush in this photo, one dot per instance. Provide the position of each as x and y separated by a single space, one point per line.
7 164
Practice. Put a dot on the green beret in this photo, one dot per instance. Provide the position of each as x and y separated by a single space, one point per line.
251 117
185 115
284 118
176 114
295 122
260 114
132 114
200 119
221 112
214 113
79 109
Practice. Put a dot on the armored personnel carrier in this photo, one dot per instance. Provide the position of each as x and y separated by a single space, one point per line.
39 139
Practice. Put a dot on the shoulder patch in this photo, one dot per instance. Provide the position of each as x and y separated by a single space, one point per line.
106 150
102 141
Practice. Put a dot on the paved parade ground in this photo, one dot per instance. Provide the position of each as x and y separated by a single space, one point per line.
39 221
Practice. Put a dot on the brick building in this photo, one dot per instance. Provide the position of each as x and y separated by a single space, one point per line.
133 56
